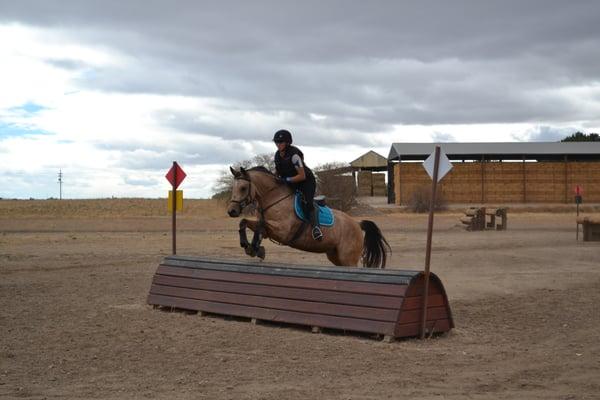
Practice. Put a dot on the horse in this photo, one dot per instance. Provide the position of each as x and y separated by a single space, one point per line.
343 243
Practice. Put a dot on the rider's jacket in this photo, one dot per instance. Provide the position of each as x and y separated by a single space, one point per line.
285 166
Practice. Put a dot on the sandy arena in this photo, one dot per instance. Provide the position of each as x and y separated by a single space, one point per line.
74 323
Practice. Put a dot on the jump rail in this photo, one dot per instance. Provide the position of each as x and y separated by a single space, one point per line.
386 302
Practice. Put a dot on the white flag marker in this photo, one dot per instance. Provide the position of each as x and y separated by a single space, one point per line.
444 167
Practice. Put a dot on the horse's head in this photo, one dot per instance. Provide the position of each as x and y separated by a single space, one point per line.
242 192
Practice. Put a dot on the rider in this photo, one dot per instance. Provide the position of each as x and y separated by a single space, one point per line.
289 163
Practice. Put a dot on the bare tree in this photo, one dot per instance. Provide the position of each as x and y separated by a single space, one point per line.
331 166
335 181
224 183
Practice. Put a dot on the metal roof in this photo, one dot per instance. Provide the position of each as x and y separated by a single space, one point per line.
498 150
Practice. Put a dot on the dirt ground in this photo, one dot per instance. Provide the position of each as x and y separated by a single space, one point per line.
74 323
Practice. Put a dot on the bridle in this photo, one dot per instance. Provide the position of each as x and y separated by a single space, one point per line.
246 200
249 200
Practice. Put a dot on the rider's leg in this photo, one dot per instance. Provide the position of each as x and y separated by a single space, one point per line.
317 234
308 190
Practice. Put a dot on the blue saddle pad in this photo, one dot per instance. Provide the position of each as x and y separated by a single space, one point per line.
326 217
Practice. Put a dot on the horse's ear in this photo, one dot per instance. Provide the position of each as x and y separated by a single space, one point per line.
234 172
243 172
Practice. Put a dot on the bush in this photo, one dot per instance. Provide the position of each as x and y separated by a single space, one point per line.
421 199
339 189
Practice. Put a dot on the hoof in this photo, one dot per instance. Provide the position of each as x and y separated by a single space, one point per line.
261 253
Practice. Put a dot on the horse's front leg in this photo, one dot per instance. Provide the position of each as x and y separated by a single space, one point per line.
252 249
257 239
243 237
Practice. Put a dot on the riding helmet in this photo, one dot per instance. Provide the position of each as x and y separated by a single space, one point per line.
283 136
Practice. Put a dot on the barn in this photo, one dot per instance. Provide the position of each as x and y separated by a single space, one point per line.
513 172
371 168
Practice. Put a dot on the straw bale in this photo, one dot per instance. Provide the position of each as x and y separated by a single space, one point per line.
504 182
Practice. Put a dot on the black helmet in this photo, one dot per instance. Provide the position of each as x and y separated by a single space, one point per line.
283 136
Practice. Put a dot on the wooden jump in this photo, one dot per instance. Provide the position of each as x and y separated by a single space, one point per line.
590 227
481 218
386 302
474 219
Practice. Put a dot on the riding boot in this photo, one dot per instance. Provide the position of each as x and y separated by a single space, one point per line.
317 234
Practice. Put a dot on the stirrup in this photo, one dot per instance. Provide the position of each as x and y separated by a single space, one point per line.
320 200
317 234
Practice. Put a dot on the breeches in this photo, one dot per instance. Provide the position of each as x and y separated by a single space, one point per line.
307 188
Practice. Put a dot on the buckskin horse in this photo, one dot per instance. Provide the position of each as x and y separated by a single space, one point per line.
343 242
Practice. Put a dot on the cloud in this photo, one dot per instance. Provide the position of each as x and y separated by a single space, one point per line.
139 181
546 134
132 86
374 68
67 64
235 125
443 137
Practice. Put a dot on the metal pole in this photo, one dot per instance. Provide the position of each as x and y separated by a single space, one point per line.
524 182
566 179
577 223
60 184
482 179
390 183
399 180
436 166
174 224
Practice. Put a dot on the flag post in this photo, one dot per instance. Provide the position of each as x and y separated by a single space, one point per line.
174 198
429 237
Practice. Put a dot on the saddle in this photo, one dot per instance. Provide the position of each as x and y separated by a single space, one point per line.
326 216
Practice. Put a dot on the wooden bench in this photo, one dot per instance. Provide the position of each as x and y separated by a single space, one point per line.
590 228
385 302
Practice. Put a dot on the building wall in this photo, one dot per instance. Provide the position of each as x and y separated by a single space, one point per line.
504 182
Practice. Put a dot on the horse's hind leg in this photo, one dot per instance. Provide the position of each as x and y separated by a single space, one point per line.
349 259
332 255
348 252
344 260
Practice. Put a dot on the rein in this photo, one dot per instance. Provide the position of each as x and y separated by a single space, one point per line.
276 202
247 200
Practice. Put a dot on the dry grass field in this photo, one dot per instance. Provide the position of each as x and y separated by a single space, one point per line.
74 323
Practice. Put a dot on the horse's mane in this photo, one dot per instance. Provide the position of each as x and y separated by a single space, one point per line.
260 168
264 170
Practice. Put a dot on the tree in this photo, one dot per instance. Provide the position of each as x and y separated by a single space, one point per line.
582 137
335 181
224 183
331 166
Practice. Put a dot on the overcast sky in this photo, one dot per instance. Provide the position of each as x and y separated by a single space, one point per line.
112 92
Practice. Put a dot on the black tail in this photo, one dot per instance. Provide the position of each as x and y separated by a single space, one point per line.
375 247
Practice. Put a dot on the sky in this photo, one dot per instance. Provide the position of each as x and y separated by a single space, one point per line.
112 92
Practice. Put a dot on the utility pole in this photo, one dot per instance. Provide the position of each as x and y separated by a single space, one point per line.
60 184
